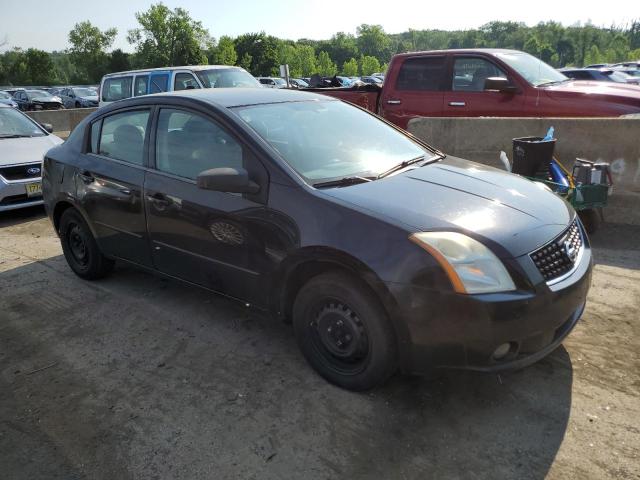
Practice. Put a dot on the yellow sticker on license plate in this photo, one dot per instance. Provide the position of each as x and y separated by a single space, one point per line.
34 189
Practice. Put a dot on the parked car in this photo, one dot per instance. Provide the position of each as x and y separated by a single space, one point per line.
7 99
37 100
264 196
298 83
597 65
272 82
134 83
371 80
79 97
600 75
633 64
486 82
23 143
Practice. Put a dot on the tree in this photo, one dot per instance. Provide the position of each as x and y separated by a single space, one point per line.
307 59
341 47
532 46
88 50
326 67
169 37
224 53
373 41
119 61
593 56
369 65
262 49
350 68
40 69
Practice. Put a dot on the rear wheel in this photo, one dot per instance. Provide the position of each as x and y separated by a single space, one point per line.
80 248
343 332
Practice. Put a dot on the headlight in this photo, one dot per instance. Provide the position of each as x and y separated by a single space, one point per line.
471 267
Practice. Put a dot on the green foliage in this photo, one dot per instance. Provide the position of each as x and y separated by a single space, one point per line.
88 51
224 53
373 41
169 37
350 68
119 61
39 66
261 50
326 67
369 65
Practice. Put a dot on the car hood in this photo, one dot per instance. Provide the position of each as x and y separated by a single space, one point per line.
89 98
612 89
25 150
513 213
45 100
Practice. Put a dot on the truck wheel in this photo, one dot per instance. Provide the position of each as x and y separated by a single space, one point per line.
344 333
80 248
590 219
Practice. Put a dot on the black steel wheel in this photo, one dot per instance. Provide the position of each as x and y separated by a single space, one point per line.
343 332
80 248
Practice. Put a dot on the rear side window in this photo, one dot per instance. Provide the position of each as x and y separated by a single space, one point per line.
422 73
116 89
187 144
185 81
122 136
142 82
159 83
95 135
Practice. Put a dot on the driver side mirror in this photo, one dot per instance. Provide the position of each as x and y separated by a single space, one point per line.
47 126
230 180
499 84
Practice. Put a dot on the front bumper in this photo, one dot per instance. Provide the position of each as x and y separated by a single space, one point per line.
449 330
13 194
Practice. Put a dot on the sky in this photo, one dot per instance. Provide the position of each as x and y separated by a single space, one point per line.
291 19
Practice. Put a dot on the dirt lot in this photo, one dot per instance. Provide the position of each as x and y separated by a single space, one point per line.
136 377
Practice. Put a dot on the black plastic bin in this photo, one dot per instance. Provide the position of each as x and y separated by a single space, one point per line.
532 156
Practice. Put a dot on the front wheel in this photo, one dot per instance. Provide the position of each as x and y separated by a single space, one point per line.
344 332
80 248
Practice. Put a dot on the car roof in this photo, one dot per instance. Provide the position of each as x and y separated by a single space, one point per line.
165 69
490 51
235 97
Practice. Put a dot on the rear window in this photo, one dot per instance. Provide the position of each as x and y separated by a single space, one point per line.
422 73
116 88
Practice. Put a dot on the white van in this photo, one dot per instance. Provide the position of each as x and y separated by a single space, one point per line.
120 85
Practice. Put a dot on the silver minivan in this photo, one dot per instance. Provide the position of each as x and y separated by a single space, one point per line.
134 83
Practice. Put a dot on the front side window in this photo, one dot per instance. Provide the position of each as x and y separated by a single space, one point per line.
116 89
185 81
141 85
422 74
188 144
312 138
122 136
470 73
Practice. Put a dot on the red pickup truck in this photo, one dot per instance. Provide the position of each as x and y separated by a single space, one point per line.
488 83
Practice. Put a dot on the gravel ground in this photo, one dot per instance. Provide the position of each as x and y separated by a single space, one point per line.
137 377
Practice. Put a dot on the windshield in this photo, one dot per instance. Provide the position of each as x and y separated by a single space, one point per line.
327 140
226 78
533 70
617 76
85 92
14 123
38 94
280 81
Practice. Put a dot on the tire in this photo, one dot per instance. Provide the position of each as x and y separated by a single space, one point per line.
77 104
590 219
344 333
80 248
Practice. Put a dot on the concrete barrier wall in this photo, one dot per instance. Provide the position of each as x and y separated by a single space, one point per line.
612 140
63 121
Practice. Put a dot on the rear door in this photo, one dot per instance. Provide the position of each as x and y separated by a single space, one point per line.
417 90
109 180
465 95
210 238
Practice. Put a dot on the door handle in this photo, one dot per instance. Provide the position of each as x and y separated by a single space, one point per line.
86 177
159 200
394 102
457 104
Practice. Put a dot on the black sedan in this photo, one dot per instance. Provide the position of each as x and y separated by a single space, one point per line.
37 100
383 252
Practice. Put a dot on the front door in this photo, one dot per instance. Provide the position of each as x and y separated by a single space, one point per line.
206 237
465 95
109 179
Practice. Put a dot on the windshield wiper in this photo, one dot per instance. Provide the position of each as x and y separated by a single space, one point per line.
554 82
438 156
344 181
14 135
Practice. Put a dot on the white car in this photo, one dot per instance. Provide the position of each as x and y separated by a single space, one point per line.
23 144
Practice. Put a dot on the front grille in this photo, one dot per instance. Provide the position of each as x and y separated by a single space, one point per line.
21 172
558 257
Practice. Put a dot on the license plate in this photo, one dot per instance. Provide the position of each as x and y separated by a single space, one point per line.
34 189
